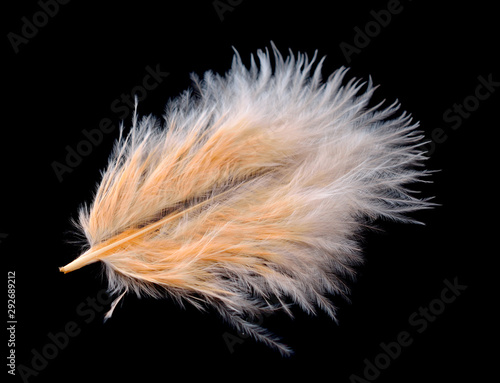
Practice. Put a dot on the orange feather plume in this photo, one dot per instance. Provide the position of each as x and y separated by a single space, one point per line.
250 194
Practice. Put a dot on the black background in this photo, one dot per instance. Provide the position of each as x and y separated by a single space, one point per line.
64 79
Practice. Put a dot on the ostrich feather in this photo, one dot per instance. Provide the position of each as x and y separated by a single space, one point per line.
250 194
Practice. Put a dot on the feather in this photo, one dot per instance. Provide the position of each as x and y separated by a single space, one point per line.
251 194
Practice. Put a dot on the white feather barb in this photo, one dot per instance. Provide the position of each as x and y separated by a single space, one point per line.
252 191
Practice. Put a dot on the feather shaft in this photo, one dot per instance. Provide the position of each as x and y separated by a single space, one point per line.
97 254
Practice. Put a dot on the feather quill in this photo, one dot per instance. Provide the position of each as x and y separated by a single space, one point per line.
250 194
